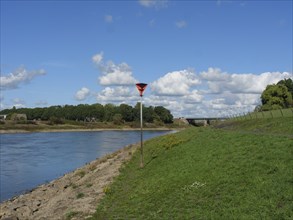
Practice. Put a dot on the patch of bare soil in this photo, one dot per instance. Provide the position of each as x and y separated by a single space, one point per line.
73 196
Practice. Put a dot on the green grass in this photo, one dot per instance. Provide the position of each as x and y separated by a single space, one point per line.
272 126
71 215
280 113
207 173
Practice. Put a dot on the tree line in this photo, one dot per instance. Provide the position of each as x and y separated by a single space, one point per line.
95 112
277 96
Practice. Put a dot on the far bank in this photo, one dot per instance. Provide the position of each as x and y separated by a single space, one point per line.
70 126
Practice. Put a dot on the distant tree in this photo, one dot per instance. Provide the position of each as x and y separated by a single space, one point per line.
164 114
110 111
117 119
36 113
276 97
83 112
99 111
149 114
127 112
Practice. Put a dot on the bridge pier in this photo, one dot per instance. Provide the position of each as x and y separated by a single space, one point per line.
202 121
198 122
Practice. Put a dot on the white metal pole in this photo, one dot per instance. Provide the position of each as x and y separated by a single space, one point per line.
141 135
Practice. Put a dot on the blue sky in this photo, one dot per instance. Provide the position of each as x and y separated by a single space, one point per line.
200 58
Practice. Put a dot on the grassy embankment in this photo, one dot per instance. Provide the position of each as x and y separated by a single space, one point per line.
240 170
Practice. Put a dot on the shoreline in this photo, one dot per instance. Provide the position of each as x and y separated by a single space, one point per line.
17 131
75 193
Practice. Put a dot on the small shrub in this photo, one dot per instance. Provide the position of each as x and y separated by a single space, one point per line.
88 185
81 173
55 121
80 195
74 186
70 215
107 190
92 167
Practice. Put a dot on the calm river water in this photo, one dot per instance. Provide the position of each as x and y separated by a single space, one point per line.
30 159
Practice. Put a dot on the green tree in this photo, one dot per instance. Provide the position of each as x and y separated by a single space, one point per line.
288 83
276 97
127 112
99 111
117 119
149 114
164 114
110 111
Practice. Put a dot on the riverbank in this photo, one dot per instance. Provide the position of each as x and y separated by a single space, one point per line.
14 131
10 127
75 194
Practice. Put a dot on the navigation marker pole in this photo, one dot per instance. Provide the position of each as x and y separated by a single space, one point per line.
141 87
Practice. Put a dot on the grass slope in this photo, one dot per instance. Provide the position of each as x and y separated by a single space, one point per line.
206 173
272 126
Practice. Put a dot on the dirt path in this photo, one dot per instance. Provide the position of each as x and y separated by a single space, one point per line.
73 196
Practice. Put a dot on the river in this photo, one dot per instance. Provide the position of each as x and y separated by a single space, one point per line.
30 159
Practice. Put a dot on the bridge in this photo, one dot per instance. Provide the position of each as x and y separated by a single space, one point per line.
203 121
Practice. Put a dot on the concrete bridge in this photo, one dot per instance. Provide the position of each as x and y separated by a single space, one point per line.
203 121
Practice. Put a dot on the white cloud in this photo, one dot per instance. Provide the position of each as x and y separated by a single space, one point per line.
97 59
118 94
113 74
214 74
82 94
177 83
217 93
219 82
108 18
181 24
21 75
154 3
193 97
210 93
117 77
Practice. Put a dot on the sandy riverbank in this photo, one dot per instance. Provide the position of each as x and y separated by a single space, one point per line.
76 194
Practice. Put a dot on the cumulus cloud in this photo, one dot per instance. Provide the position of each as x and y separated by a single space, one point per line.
181 24
219 82
177 83
117 94
154 3
82 94
214 74
113 74
21 75
211 93
193 97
